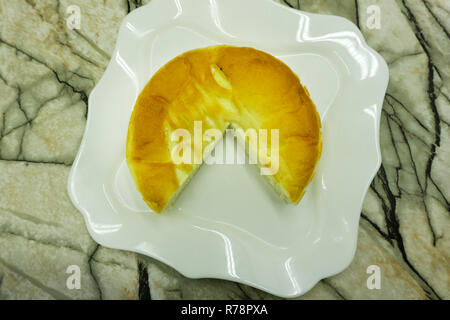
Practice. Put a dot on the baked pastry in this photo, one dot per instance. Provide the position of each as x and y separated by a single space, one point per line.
222 86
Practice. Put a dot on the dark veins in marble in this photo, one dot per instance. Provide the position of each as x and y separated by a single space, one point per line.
144 288
382 184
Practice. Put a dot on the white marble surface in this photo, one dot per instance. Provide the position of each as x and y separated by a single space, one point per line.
46 74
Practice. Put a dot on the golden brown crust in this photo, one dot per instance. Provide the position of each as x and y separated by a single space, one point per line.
221 85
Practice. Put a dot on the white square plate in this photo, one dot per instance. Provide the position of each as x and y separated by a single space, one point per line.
228 223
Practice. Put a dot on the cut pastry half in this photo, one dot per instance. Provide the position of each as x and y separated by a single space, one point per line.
221 87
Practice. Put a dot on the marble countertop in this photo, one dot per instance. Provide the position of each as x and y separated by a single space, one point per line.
46 74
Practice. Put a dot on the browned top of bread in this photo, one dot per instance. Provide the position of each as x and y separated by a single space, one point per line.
221 85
